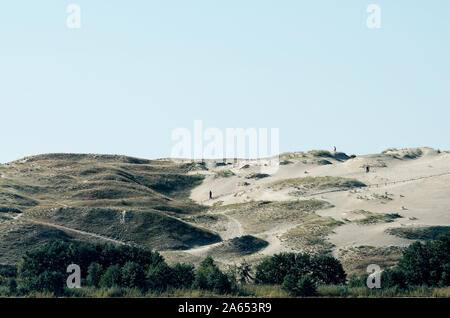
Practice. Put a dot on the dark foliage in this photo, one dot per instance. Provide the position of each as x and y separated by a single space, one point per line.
421 265
427 264
133 275
209 277
44 269
160 277
183 275
321 269
112 277
95 272
299 286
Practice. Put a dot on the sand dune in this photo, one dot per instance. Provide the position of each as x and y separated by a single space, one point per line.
316 202
412 185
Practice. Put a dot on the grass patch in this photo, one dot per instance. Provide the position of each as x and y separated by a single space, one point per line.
321 153
212 222
224 174
324 162
419 233
404 153
25 237
260 216
413 154
260 290
6 209
16 201
340 156
375 164
364 292
258 176
356 259
310 236
247 290
383 197
306 184
374 218
145 228
231 206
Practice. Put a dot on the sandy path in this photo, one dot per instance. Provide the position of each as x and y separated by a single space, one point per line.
233 229
273 238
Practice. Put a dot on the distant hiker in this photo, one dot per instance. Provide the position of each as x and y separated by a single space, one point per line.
334 148
210 195
367 169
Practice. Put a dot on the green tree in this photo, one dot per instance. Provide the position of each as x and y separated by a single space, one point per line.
95 272
244 272
209 277
159 277
439 261
290 284
12 286
133 275
303 286
111 277
427 264
272 270
52 257
183 275
44 269
48 281
393 278
306 286
415 265
327 270
322 269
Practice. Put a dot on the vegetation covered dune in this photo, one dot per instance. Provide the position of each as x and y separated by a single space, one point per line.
100 198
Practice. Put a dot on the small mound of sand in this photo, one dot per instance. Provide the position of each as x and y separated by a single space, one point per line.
240 246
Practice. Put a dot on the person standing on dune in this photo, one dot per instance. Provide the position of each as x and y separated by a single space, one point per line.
210 195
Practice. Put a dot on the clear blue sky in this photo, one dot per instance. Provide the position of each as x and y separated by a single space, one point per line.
136 70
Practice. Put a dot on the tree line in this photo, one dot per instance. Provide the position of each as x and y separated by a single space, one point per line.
108 266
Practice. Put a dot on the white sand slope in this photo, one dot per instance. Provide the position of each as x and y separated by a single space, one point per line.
412 183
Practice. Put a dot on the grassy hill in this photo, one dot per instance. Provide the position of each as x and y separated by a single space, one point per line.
90 197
